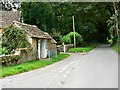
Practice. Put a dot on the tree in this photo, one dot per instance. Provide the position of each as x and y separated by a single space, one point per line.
115 5
90 18
113 23
10 5
38 13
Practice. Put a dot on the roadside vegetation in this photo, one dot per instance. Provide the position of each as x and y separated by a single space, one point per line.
86 48
116 46
27 66
80 49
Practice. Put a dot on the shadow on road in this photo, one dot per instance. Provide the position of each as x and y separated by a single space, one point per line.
104 46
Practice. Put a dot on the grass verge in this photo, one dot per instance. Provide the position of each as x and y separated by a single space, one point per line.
24 67
83 49
116 46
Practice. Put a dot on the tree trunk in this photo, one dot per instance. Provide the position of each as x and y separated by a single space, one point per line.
115 5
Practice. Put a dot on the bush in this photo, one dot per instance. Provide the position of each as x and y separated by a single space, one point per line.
66 39
110 41
3 51
13 38
69 38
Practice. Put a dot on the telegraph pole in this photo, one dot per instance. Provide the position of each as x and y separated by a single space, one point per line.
74 31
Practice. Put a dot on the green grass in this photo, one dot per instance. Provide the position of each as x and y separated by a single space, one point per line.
24 67
80 49
83 49
116 46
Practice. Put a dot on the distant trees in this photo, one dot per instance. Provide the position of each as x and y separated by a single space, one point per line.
90 18
10 5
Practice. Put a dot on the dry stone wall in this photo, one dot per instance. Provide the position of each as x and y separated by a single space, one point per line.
21 55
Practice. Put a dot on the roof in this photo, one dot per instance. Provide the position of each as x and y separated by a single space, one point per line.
32 30
7 18
53 41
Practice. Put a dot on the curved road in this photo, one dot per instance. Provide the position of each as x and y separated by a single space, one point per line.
96 69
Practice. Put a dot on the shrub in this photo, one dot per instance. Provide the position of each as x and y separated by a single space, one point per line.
69 38
3 51
13 38
110 41
66 39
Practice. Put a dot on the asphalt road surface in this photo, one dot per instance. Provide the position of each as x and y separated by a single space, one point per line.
96 69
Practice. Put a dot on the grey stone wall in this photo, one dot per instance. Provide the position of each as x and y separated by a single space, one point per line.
67 47
21 55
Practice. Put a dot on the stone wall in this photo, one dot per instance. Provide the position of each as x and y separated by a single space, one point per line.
20 56
51 45
67 47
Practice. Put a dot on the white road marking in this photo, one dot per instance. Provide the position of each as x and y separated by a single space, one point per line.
60 71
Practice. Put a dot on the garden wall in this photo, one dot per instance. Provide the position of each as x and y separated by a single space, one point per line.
66 47
20 56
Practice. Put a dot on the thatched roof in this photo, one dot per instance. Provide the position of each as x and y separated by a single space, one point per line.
32 30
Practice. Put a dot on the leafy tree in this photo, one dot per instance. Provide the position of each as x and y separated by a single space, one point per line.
39 14
90 18
113 22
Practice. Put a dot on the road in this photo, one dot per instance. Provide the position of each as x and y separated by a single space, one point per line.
96 69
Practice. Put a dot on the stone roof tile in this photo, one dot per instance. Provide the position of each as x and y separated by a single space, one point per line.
32 30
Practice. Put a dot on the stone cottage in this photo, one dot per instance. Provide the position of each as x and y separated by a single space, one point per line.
42 44
40 41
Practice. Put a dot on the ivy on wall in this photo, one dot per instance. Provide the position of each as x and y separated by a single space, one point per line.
6 60
13 38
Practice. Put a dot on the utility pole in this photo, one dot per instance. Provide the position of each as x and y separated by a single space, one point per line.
74 31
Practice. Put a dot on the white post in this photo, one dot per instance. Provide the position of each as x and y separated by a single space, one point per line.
63 47
39 56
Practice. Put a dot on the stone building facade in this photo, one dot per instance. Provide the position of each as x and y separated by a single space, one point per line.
42 44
